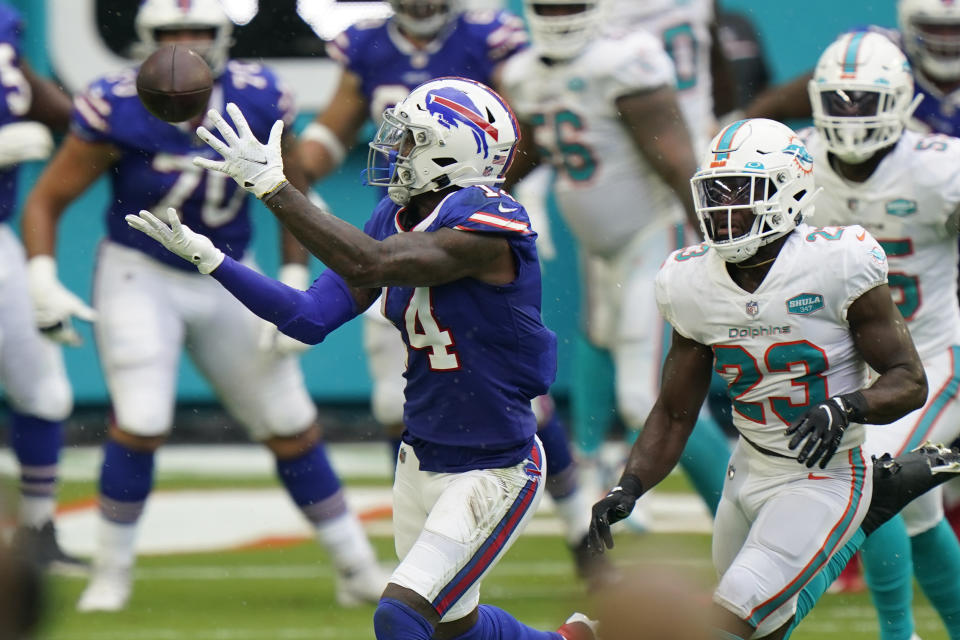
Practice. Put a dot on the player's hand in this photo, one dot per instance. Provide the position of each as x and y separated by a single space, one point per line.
821 429
53 304
178 238
256 167
272 339
617 505
23 142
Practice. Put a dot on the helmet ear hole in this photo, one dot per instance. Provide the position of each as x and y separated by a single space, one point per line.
444 162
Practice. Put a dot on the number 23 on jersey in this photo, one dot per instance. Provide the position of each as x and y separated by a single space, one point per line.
744 373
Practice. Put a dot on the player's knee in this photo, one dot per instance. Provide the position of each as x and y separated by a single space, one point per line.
296 445
135 441
50 399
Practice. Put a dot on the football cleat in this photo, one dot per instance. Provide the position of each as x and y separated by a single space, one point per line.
40 546
579 627
363 586
898 480
108 590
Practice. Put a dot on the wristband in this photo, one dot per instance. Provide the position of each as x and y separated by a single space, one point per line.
854 405
264 198
324 135
630 484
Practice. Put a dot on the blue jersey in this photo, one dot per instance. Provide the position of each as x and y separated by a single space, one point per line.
389 66
14 98
155 169
937 111
476 353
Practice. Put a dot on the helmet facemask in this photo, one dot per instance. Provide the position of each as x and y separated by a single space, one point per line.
861 95
856 123
205 17
422 18
720 196
561 29
935 46
392 156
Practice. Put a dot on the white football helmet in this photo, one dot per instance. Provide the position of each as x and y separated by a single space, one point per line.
564 35
448 131
423 18
931 36
759 167
160 15
862 95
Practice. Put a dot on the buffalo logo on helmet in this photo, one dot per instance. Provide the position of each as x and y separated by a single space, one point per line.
453 107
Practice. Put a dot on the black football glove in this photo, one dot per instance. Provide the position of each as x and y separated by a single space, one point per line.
823 425
616 506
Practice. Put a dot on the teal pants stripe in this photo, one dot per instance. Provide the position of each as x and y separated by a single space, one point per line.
829 546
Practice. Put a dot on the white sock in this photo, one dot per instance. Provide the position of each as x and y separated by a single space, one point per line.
36 511
346 541
574 513
115 546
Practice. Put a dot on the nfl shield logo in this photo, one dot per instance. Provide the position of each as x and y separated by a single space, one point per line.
753 308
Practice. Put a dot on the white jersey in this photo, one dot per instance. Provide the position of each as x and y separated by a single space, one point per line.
683 26
906 204
605 188
787 345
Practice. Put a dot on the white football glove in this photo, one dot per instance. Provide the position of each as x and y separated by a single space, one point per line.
24 141
178 238
271 339
256 167
53 304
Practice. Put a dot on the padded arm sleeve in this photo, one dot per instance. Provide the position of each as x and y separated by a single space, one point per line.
308 316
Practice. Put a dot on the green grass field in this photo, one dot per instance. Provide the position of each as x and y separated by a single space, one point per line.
286 593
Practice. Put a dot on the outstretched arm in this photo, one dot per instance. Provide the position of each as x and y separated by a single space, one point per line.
307 316
408 259
684 384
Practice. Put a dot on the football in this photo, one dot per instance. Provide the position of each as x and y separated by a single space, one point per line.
174 83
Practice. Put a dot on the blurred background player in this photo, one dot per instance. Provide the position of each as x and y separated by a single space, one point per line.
745 55
382 61
151 306
583 99
688 34
929 35
904 188
781 518
32 372
454 259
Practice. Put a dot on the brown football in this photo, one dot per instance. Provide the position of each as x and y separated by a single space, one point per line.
174 83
